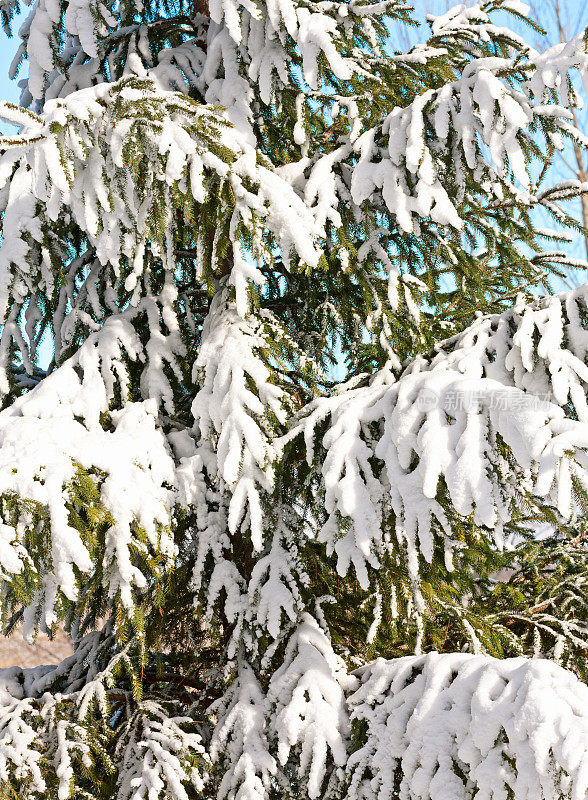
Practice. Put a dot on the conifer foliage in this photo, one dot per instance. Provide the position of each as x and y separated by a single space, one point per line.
209 210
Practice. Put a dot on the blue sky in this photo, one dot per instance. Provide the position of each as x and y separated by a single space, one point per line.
8 89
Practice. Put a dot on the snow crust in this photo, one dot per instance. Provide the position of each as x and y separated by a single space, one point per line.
454 727
434 727
508 378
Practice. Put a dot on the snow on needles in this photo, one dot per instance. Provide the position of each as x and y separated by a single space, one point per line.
80 158
436 727
481 120
200 208
227 407
448 727
46 438
507 379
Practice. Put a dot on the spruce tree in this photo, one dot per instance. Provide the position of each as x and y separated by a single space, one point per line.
306 477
